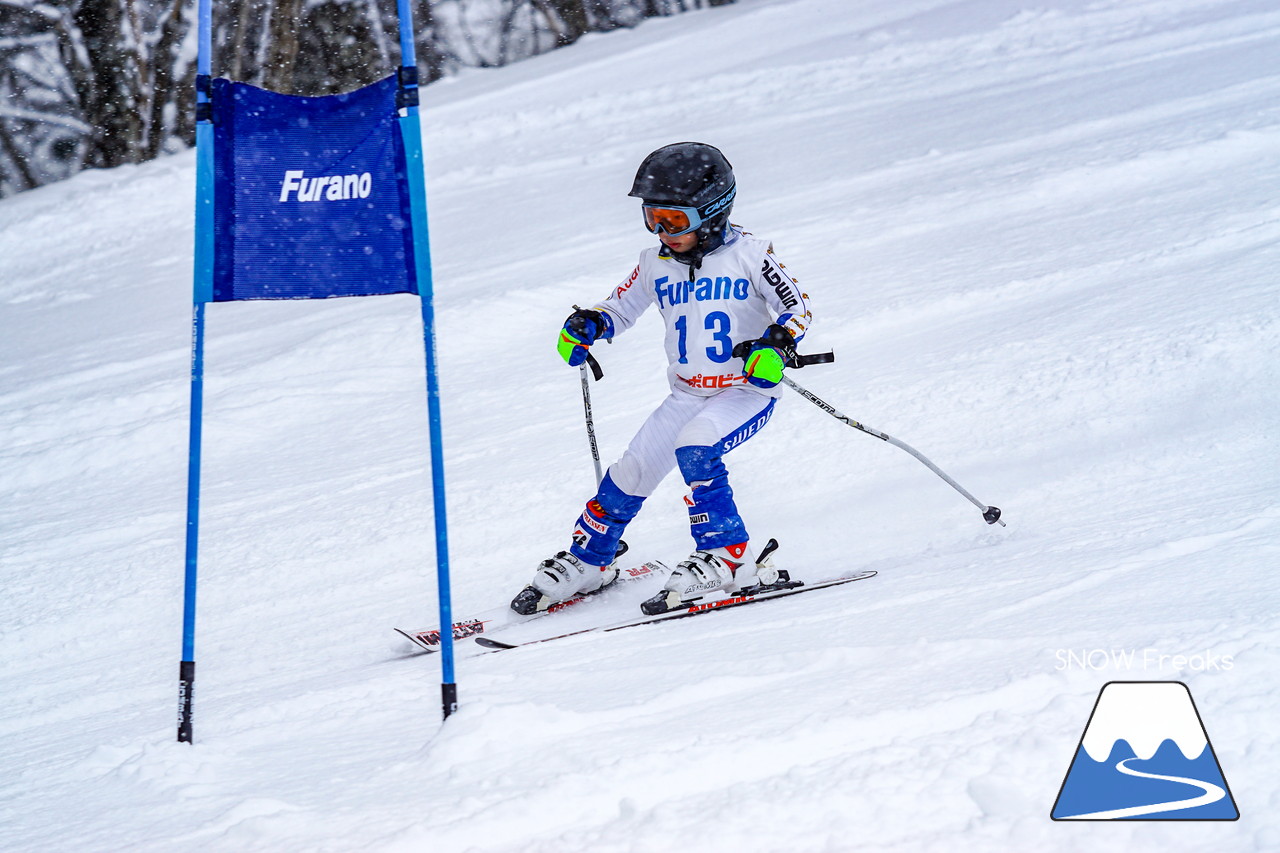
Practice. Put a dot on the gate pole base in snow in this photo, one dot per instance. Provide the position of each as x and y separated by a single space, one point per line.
186 684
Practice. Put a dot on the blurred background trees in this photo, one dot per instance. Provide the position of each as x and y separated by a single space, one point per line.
101 83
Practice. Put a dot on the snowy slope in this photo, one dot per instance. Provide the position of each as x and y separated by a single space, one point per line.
1042 240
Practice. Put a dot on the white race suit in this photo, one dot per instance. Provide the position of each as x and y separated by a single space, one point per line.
736 292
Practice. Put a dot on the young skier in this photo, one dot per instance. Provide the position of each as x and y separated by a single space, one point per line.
715 286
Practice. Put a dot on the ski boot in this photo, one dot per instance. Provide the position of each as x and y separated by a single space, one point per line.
730 568
560 578
703 572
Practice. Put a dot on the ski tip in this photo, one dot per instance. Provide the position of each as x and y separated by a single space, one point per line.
413 639
490 643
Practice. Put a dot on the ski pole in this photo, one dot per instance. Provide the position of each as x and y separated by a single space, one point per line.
990 514
586 406
598 372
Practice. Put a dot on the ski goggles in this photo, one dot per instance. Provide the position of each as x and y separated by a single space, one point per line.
676 221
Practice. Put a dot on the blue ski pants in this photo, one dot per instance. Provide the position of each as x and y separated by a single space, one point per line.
693 433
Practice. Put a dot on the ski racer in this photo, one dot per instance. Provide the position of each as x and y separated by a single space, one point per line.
716 286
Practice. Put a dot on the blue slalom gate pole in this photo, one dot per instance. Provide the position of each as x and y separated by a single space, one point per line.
202 292
411 133
187 667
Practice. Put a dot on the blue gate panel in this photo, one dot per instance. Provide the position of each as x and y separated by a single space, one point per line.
311 196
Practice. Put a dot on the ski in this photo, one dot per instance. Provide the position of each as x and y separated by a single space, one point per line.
696 608
428 639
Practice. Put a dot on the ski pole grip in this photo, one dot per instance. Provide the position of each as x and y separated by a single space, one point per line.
596 370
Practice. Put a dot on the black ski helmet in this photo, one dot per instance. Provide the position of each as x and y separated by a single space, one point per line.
690 174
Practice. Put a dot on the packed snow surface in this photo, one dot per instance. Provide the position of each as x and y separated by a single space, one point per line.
1042 240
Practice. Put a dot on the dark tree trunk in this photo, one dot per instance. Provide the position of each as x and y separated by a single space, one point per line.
165 83
242 41
432 53
572 18
337 51
282 47
16 156
111 102
600 13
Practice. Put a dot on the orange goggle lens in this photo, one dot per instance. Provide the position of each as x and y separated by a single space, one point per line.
672 220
